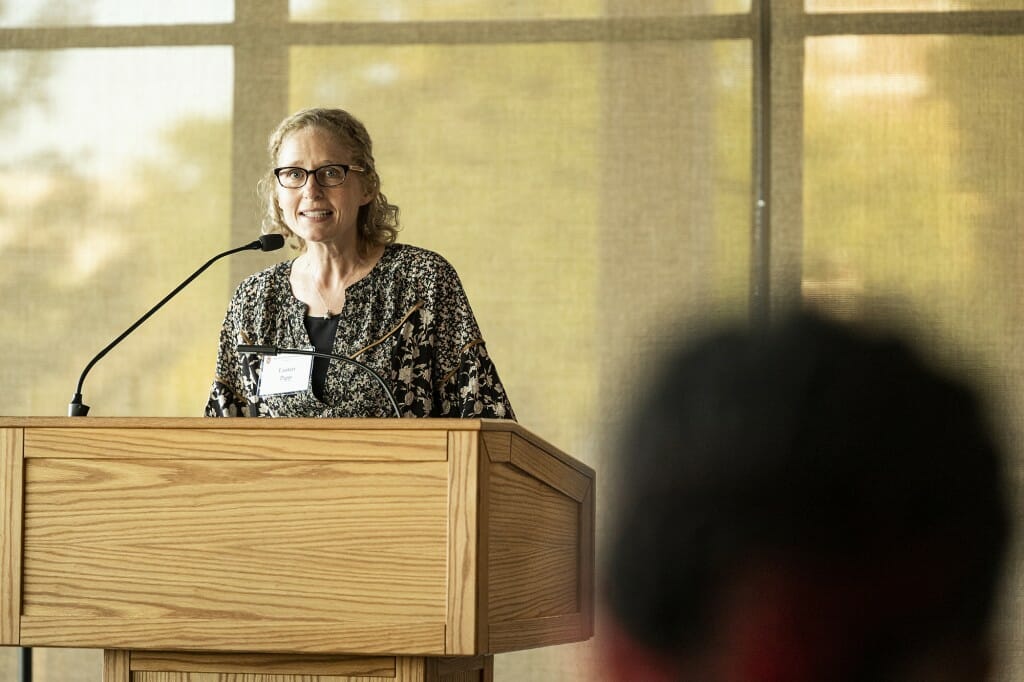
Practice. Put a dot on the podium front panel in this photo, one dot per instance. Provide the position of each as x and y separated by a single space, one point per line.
403 537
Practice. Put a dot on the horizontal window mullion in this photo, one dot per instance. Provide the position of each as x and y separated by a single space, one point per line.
712 27
1006 22
709 27
51 37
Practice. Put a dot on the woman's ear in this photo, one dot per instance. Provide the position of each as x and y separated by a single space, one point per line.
369 189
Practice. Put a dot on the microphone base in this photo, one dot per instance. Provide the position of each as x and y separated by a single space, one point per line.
76 408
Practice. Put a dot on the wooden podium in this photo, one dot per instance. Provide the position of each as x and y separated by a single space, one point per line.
256 550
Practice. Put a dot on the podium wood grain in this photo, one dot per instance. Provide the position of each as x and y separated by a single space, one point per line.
142 666
11 444
406 538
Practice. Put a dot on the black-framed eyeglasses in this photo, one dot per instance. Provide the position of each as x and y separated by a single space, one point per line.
333 175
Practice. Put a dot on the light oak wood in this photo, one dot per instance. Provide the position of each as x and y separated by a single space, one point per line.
541 465
232 554
196 667
296 424
483 546
540 547
460 669
299 664
11 441
232 635
524 633
498 445
262 444
116 665
462 546
330 542
534 556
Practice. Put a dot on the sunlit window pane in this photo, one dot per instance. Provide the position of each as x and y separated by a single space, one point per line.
911 5
114 186
588 194
22 13
431 10
913 164
914 154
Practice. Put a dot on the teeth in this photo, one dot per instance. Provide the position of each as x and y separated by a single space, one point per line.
316 214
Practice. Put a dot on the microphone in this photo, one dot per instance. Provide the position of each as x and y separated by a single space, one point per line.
267 242
274 350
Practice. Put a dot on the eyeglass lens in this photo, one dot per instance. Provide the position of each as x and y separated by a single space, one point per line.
326 176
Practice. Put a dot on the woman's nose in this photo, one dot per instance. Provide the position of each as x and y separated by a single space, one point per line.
312 188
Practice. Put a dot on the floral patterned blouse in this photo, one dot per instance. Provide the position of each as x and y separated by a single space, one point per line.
408 319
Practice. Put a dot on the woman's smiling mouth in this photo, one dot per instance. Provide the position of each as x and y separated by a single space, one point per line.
316 214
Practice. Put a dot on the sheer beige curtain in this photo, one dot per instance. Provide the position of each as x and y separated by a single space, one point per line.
912 203
897 158
590 167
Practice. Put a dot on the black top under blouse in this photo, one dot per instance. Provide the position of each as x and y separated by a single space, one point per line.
322 331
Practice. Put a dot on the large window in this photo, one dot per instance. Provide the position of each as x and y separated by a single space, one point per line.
600 174
115 178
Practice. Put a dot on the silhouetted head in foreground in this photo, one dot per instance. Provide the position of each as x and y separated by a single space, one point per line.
806 503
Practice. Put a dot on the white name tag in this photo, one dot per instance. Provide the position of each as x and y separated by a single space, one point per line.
285 373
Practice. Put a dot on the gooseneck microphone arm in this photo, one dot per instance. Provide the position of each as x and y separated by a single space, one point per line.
268 242
274 350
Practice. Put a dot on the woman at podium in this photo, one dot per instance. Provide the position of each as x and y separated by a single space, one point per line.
393 310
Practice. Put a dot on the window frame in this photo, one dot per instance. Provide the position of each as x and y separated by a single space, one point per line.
262 34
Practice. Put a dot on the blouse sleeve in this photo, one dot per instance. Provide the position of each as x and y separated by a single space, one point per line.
466 379
233 375
473 389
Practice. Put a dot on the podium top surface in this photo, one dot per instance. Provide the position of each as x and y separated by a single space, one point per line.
482 426
261 423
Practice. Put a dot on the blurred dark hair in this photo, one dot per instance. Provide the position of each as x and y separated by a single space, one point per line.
827 443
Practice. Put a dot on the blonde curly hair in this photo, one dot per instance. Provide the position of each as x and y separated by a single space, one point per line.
377 221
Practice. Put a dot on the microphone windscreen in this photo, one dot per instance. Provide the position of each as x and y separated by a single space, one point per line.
271 242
